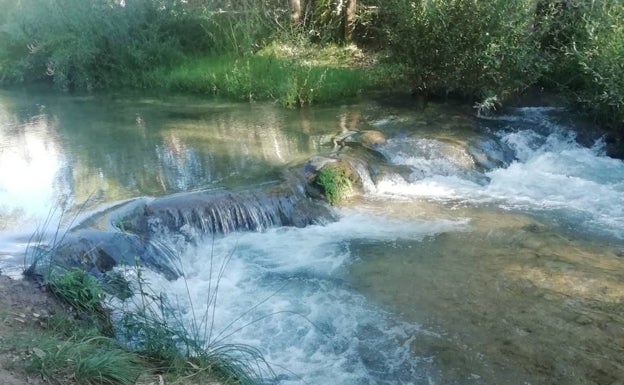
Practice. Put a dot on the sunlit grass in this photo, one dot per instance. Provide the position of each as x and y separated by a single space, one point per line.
292 76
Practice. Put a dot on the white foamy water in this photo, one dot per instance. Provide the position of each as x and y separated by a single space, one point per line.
551 172
285 292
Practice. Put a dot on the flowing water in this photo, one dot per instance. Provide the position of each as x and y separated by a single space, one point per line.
495 255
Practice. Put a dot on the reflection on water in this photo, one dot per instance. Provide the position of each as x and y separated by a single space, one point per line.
62 149
32 163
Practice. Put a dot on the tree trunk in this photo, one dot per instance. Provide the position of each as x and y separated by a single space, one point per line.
349 24
295 12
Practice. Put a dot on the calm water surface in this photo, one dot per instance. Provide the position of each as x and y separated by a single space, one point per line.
495 257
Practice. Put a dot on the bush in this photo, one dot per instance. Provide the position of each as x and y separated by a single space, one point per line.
88 44
600 59
96 44
466 48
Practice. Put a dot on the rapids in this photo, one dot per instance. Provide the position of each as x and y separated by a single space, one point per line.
493 255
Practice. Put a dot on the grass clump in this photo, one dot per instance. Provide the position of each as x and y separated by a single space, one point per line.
334 182
186 353
85 294
93 360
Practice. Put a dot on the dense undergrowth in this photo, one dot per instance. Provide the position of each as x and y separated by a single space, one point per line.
469 49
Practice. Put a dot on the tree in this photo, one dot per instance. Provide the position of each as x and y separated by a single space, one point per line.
295 11
349 21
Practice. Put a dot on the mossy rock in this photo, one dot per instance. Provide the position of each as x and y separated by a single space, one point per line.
338 181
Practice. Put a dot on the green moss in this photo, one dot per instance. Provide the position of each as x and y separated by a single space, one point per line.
335 183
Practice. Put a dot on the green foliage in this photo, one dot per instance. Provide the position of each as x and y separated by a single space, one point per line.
90 360
244 28
85 294
323 20
266 77
80 290
96 44
594 58
466 48
89 44
334 182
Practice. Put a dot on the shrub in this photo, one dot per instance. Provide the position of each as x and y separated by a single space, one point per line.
472 49
95 44
600 58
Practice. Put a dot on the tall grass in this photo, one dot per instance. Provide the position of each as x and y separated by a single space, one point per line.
151 324
145 325
267 77
92 360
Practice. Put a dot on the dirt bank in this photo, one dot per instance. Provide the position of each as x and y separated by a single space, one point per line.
24 308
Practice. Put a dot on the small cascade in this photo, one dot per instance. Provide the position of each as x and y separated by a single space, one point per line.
221 212
155 231
430 157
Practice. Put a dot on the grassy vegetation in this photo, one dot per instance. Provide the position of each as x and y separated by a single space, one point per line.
274 73
120 315
150 324
250 50
144 335
334 182
90 360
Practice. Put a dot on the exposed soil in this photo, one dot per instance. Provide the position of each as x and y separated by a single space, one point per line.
24 308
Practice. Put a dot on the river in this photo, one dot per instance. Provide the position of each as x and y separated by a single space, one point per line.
495 257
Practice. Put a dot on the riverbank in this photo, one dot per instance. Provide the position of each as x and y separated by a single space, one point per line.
24 309
43 341
315 53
